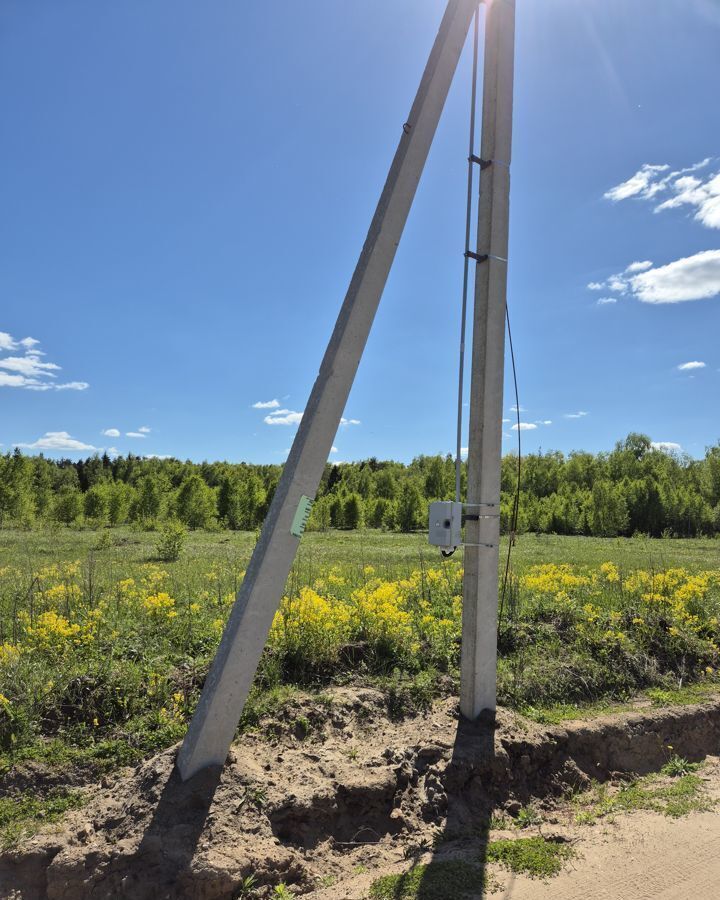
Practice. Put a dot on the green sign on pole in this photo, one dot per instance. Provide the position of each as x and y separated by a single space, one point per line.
302 514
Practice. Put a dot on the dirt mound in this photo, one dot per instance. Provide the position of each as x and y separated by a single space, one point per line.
332 787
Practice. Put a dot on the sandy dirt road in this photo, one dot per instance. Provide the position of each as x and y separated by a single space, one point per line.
642 857
638 855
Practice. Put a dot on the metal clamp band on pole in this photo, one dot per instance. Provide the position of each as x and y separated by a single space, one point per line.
484 257
486 163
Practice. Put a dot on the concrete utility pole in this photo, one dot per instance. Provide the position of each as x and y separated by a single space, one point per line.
231 675
478 665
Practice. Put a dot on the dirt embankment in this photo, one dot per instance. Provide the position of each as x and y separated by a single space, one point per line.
337 787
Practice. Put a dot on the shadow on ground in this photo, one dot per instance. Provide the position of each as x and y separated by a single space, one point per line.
458 866
177 822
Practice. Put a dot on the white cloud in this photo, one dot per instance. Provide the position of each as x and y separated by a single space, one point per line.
689 366
110 432
157 456
283 417
290 416
605 301
641 184
33 384
680 188
463 452
144 429
577 415
596 286
516 409
30 366
28 371
667 446
704 196
691 278
639 266
8 342
617 283
57 440
266 404
544 422
135 434
334 450
70 386
16 381
524 426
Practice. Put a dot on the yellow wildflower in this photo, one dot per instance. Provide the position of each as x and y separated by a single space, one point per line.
610 572
9 654
160 603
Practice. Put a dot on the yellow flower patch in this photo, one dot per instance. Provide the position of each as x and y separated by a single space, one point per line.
160 604
552 578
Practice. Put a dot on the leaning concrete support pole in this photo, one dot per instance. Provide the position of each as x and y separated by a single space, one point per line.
478 666
233 669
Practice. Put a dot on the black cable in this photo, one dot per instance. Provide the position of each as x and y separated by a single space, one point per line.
516 502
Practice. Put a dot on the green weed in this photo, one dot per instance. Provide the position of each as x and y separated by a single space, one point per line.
563 712
677 766
527 817
680 797
247 888
535 856
683 696
22 815
452 880
257 795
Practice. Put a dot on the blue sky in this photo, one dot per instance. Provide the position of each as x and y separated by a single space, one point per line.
186 187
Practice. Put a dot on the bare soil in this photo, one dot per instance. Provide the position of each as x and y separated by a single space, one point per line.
644 856
334 794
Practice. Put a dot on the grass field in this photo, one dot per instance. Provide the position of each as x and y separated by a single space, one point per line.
104 648
391 553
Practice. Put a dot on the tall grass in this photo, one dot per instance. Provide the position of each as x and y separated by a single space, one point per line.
104 648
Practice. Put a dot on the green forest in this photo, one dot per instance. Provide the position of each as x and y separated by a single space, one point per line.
634 489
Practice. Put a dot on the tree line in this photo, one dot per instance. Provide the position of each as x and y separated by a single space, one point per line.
635 488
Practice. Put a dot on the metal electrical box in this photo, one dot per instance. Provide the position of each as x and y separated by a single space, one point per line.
446 524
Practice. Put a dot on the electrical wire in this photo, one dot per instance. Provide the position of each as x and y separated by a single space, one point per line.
466 270
516 501
463 328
